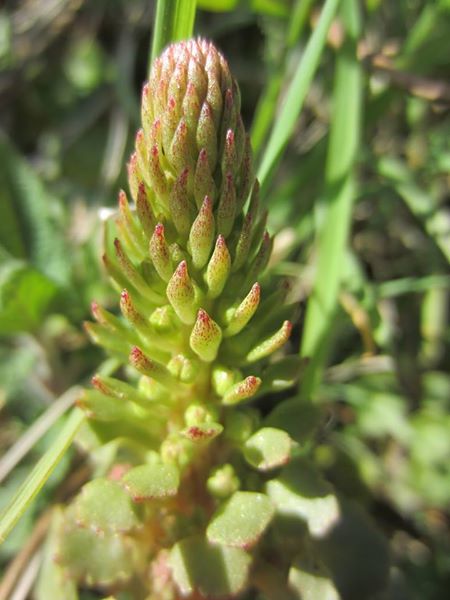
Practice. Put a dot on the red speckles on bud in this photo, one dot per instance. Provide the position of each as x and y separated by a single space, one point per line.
271 344
146 108
179 204
159 253
191 107
133 175
262 257
146 366
144 211
201 235
247 175
228 115
177 84
142 153
205 337
242 391
156 174
227 206
218 269
129 310
169 122
181 153
229 159
203 181
206 136
181 294
244 312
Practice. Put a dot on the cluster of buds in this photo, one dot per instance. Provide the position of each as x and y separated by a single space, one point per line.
197 328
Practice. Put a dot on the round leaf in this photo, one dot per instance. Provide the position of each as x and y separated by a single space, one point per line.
301 493
213 571
268 448
241 521
151 481
104 506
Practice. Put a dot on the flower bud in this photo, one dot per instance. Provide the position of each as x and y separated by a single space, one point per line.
205 337
181 294
202 234
218 268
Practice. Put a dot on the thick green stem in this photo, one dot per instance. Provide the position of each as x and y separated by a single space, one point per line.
174 21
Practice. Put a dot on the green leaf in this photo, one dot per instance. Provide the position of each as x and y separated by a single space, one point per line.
298 419
268 448
53 581
98 559
362 569
29 227
151 481
334 210
25 297
174 21
41 472
213 571
300 493
217 5
241 520
310 581
296 94
104 506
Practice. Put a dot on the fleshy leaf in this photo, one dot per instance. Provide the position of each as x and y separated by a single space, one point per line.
97 559
300 493
298 419
202 432
212 570
310 582
241 521
268 448
103 506
156 480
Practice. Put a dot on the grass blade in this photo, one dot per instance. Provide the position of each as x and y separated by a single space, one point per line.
174 21
336 205
41 472
296 94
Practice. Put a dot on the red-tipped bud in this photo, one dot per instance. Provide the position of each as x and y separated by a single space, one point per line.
206 134
150 368
227 206
201 235
271 344
134 179
203 181
229 159
181 153
218 268
179 204
129 310
205 337
181 294
144 210
242 391
156 174
244 312
159 253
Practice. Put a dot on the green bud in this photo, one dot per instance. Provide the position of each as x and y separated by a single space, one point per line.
239 318
218 268
159 253
223 481
144 210
203 180
227 206
242 391
181 294
179 204
201 235
223 378
205 337
271 344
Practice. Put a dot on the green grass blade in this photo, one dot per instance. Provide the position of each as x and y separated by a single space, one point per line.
336 205
41 472
296 94
174 21
267 104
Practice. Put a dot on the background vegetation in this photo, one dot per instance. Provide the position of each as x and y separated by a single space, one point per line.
361 150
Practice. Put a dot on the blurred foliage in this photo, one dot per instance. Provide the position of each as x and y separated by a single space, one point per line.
70 78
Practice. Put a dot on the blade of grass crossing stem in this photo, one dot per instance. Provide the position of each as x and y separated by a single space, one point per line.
39 475
174 21
337 201
265 110
293 103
